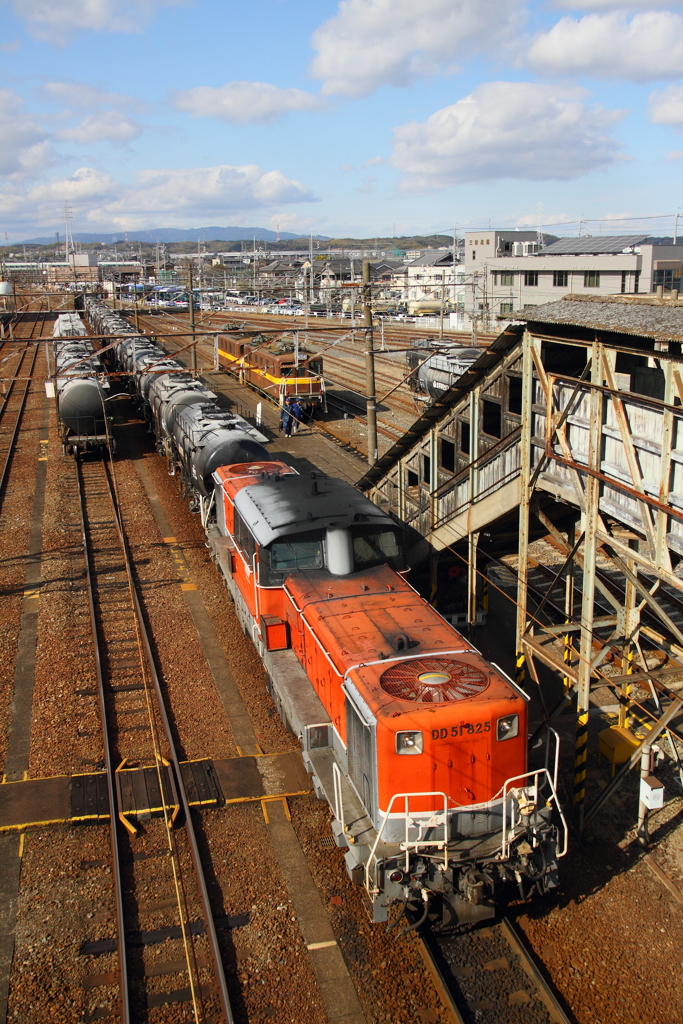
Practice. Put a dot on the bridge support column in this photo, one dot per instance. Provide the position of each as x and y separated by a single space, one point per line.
525 490
591 502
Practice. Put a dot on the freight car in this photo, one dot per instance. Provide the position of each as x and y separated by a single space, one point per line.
81 387
193 433
278 368
432 374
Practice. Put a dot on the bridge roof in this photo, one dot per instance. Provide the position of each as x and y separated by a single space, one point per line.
644 316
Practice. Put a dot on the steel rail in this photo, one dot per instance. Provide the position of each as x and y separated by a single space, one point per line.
143 634
124 1001
17 423
447 987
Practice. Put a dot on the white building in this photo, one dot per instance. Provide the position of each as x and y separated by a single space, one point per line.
430 276
505 271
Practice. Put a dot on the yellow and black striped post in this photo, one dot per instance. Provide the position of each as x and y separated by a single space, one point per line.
567 658
580 759
625 700
485 594
520 668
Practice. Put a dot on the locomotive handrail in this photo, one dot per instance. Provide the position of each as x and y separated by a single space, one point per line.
338 795
536 774
438 819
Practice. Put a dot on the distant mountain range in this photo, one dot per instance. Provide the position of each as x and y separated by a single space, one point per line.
210 234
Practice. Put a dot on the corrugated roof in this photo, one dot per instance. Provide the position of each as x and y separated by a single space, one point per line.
662 321
442 406
592 246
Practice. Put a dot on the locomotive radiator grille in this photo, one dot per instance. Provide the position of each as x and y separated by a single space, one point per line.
433 680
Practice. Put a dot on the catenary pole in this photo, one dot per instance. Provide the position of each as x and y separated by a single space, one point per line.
369 366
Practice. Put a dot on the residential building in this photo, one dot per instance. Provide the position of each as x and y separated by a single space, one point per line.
505 272
431 276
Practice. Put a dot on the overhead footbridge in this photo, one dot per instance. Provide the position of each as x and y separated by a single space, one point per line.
570 425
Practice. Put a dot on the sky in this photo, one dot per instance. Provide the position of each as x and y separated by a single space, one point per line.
341 117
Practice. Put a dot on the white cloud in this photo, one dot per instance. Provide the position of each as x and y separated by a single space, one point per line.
373 161
640 48
87 97
615 5
666 106
244 102
370 43
293 222
177 196
203 190
506 130
56 20
106 126
25 146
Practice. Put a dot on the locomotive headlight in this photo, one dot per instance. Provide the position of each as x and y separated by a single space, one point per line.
409 743
507 727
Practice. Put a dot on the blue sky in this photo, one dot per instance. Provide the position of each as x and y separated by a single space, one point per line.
358 117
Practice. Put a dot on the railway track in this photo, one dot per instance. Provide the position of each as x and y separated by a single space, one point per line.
385 426
153 843
13 406
488 976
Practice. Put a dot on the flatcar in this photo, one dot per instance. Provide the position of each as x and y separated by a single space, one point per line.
81 387
416 742
278 368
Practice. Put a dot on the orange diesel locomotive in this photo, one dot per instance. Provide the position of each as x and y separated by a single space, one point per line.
417 743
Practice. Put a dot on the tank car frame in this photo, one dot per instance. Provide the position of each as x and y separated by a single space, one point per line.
81 388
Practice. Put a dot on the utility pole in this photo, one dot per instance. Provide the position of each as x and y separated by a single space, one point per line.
190 295
369 366
443 299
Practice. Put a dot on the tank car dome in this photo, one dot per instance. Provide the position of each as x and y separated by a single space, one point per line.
180 400
81 406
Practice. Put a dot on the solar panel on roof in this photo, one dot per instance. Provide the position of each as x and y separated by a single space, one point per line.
593 246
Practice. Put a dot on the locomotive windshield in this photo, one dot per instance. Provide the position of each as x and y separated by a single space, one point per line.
376 545
302 551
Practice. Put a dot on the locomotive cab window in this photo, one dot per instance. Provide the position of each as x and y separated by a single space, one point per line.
301 551
244 537
374 545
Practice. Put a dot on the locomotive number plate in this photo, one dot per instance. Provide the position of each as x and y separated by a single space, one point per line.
464 729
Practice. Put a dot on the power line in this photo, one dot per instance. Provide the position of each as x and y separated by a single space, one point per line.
584 220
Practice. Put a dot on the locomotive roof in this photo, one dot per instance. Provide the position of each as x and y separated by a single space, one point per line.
280 507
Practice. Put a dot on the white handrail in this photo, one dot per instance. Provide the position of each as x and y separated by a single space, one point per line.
338 795
437 819
505 846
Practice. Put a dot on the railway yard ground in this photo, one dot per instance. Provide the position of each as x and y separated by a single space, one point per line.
294 939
